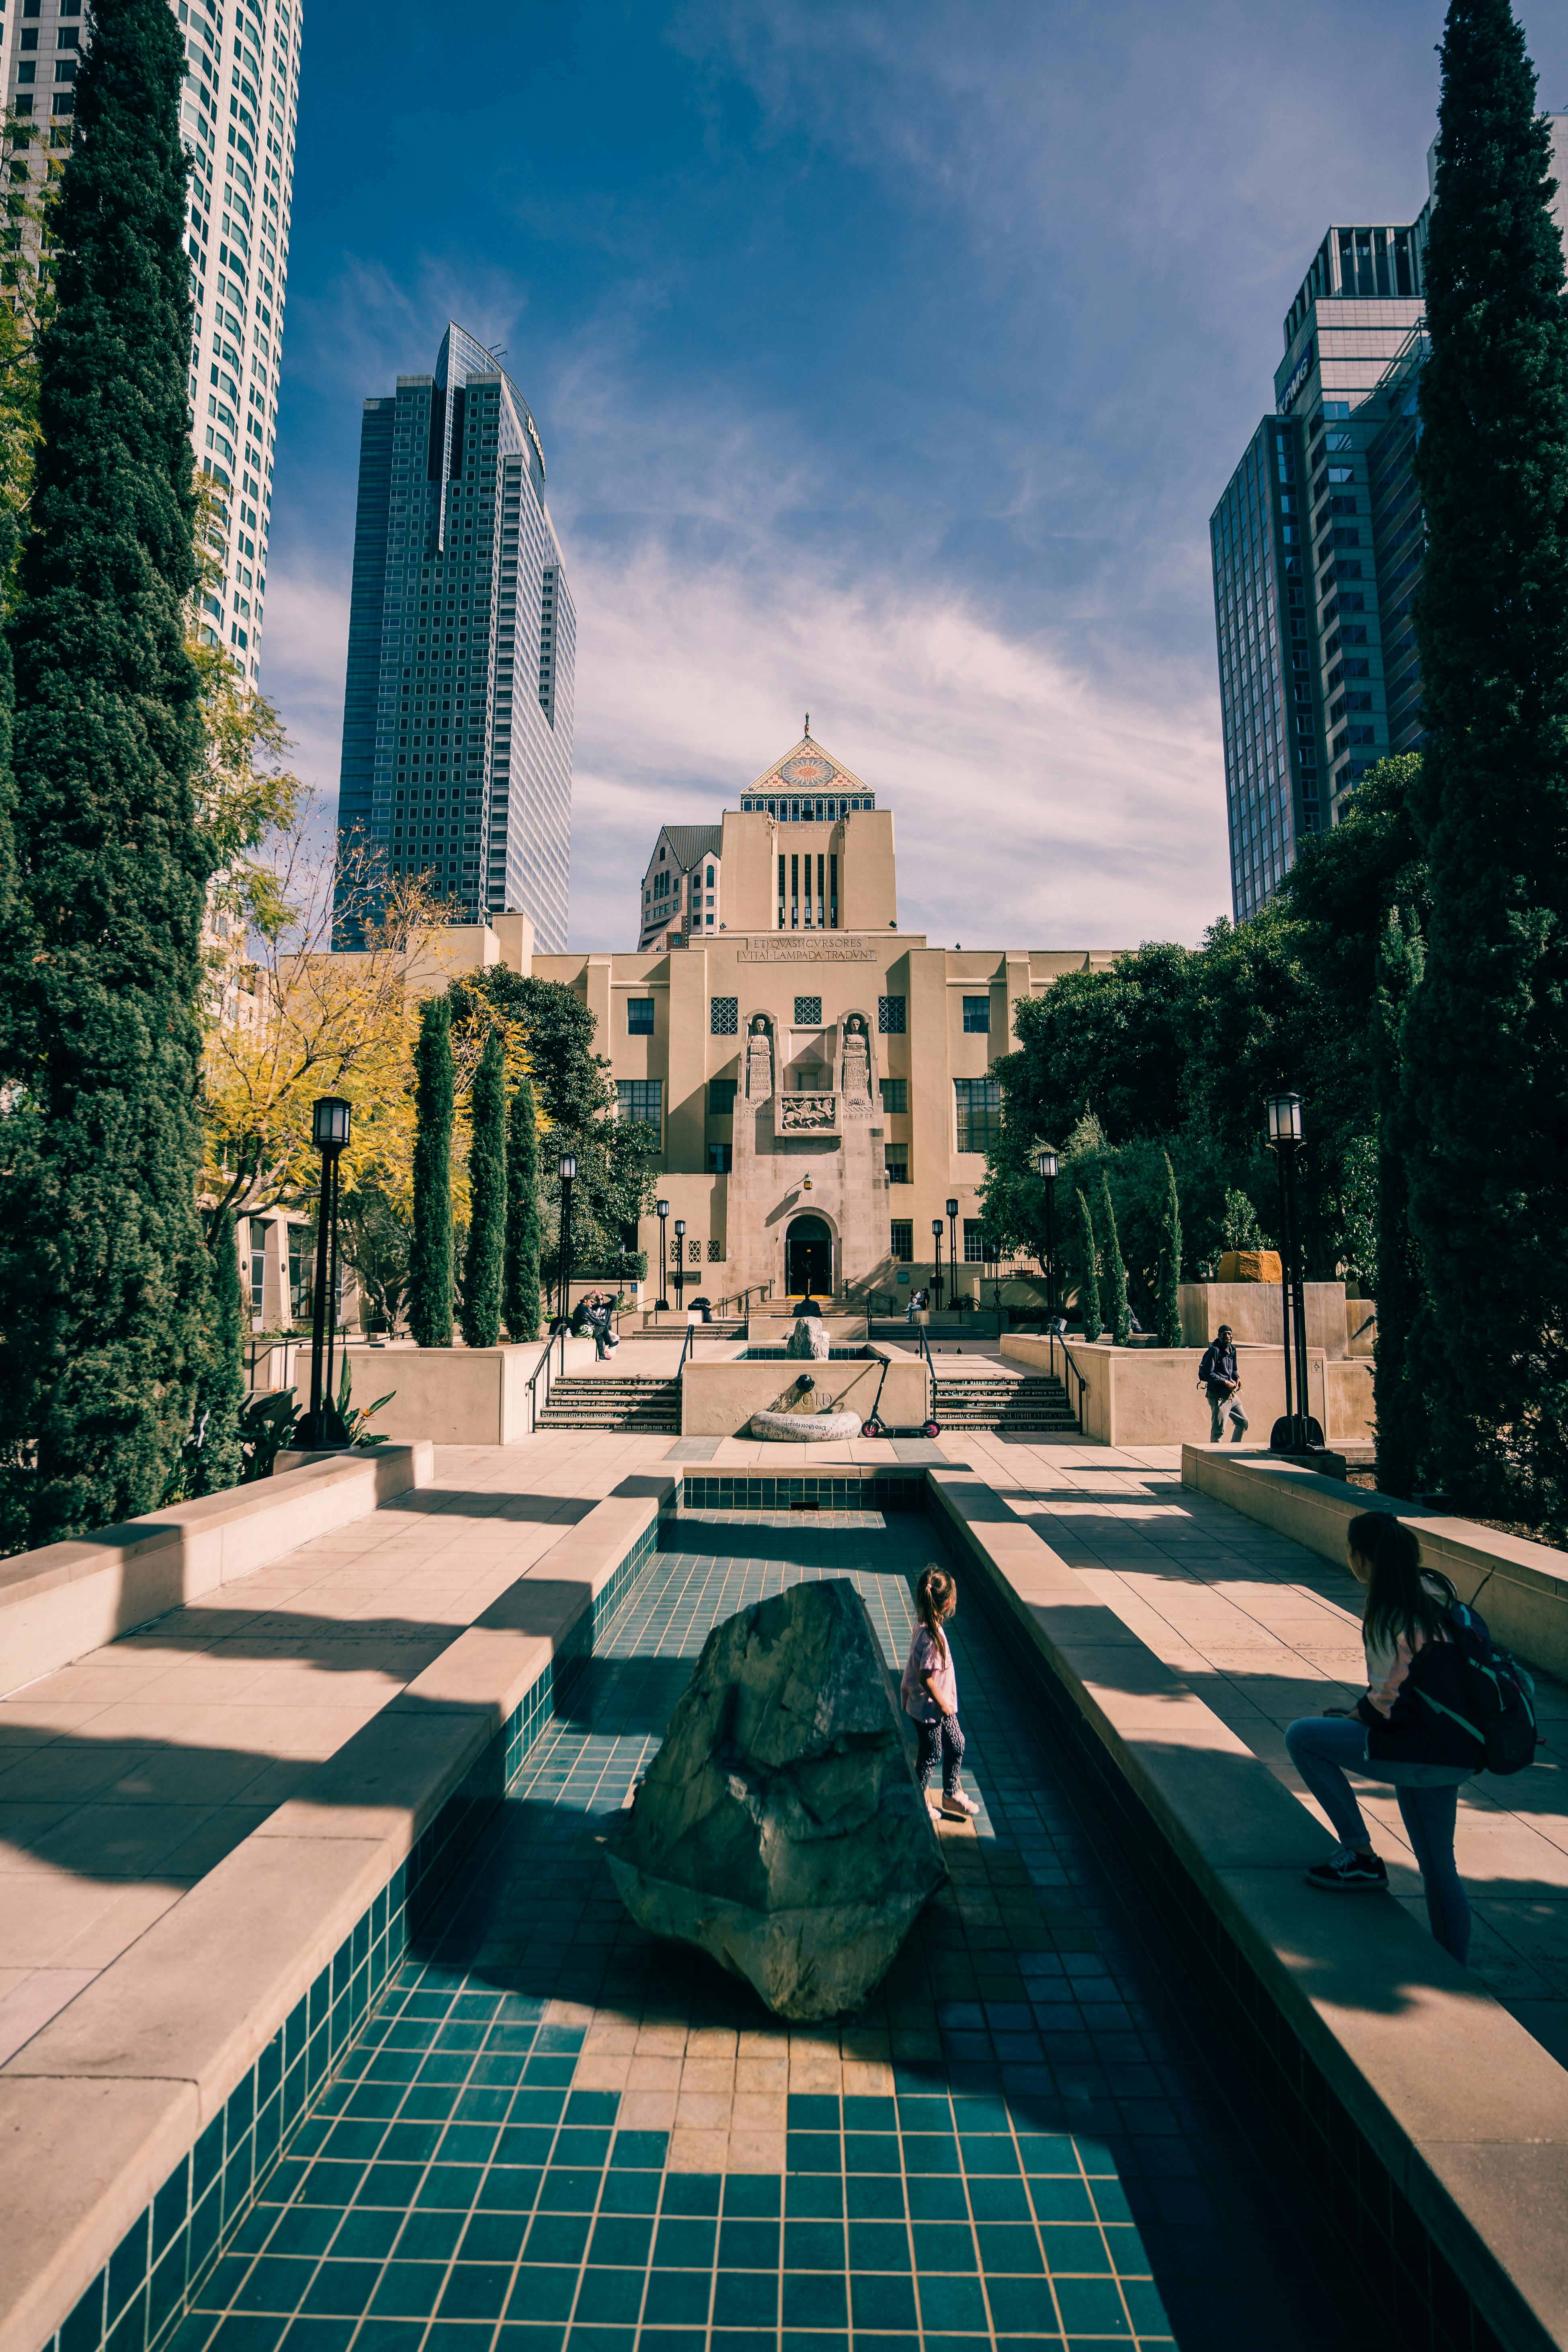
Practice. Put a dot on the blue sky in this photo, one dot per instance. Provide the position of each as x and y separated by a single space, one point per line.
888 360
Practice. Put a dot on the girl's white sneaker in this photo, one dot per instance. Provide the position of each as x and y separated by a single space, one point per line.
957 1807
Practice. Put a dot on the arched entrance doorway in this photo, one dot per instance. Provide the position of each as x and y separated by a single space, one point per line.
808 1258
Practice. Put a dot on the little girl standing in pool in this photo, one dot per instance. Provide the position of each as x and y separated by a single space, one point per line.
930 1693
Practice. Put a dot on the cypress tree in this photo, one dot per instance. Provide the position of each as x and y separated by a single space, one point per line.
1168 1303
106 1283
1115 1271
522 1230
1486 1043
1401 1439
430 1253
1088 1278
483 1267
221 1390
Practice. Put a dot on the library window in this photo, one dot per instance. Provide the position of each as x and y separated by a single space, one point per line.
896 1160
902 1230
641 1100
807 1010
977 1016
890 1015
895 1094
979 1109
723 1016
640 1016
721 1097
719 1158
975 1251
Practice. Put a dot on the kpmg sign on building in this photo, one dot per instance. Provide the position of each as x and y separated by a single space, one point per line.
1299 374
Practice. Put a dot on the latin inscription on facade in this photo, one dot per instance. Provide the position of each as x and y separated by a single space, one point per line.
823 948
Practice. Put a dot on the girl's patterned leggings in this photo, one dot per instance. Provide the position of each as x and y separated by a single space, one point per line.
943 1734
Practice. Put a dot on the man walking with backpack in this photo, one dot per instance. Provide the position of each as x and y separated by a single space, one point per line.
1217 1373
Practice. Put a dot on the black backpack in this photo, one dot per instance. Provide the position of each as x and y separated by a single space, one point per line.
1498 1695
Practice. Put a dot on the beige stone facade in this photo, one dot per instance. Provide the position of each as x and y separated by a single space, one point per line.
822 1082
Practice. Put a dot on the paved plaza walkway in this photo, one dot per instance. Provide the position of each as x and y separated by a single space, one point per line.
1025 2139
558 2132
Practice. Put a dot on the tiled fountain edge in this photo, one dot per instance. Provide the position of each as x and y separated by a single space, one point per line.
136 2127
1434 2128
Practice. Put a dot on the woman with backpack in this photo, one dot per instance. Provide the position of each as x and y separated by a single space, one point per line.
1414 1727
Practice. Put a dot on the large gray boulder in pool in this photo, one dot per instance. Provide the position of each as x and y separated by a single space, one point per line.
779 1828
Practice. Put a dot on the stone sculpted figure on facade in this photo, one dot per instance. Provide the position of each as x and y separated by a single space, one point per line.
857 1067
759 1061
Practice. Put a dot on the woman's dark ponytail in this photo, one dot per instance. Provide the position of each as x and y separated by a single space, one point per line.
1397 1601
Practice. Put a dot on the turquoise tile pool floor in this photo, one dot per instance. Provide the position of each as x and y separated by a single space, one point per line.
1055 2150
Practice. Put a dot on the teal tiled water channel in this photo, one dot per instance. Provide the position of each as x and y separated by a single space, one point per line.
1061 2154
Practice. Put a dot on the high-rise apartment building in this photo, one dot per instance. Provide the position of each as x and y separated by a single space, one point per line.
239 109
462 647
1318 545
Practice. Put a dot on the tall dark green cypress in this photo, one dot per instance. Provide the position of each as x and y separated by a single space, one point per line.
104 1289
220 1393
1486 1040
1089 1276
1402 1433
430 1251
1120 1309
522 1227
1168 1295
484 1264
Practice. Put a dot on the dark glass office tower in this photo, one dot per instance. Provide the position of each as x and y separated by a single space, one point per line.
462 648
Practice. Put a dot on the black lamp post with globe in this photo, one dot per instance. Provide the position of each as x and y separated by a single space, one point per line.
936 1279
1046 1169
661 1304
679 1267
953 1249
1296 1432
330 1122
567 1171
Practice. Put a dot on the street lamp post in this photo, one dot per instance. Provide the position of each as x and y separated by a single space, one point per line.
936 1279
1284 1114
1046 1169
330 1121
953 1249
568 1169
679 1264
661 1304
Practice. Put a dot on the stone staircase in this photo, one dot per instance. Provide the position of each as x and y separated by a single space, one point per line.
1026 1404
613 1401
673 1326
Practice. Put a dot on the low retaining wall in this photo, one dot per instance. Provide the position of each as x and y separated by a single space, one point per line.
456 1396
718 1398
1433 2127
1150 1396
1253 1312
1520 1588
65 1599
136 2127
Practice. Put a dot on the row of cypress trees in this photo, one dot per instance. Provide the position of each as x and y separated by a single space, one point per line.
1095 1261
115 1336
500 1268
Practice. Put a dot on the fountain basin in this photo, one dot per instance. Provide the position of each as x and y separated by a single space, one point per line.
805 1428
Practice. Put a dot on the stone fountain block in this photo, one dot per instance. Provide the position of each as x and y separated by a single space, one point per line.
779 1829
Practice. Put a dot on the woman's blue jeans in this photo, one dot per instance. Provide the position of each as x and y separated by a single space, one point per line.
1321 1748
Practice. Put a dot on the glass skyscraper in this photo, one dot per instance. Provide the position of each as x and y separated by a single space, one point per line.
1317 546
239 112
462 647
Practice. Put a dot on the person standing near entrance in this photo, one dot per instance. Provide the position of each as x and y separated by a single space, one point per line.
1217 1373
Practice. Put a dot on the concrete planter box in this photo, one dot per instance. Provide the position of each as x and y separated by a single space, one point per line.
1150 1396
718 1400
456 1396
806 1428
1252 1310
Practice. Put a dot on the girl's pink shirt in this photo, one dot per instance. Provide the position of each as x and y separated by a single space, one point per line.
928 1656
